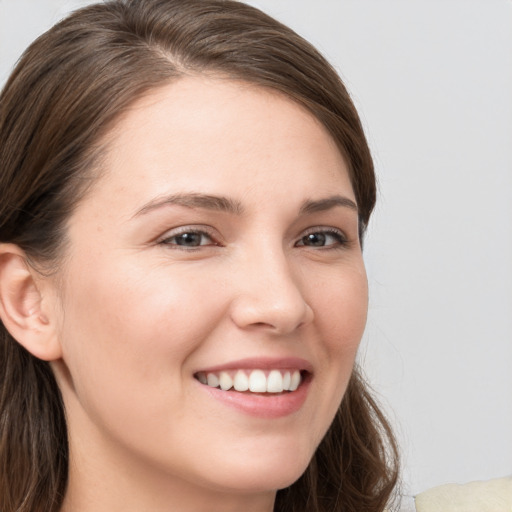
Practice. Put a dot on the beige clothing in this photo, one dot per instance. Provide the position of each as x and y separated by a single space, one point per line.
489 496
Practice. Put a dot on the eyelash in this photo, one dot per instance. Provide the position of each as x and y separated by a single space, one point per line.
188 231
340 239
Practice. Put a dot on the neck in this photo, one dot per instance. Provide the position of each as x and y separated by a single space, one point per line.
90 497
103 479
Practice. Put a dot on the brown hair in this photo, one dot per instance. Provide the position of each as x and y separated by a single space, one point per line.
64 95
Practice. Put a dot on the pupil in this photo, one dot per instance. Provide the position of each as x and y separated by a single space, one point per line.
190 239
316 239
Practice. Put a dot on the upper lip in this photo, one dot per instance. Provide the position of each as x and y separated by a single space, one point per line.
262 363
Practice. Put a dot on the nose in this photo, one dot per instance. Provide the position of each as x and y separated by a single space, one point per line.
268 295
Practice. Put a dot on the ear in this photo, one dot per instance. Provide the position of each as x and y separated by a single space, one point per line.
24 310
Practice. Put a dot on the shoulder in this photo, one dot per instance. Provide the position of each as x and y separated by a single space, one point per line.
486 496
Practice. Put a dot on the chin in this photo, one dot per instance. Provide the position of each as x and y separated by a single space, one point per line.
260 475
260 482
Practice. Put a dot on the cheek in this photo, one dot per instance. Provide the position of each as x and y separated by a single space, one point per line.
128 336
341 312
128 331
138 305
341 309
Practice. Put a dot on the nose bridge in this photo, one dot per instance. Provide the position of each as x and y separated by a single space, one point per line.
269 291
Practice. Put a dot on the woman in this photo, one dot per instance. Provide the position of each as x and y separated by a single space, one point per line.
185 186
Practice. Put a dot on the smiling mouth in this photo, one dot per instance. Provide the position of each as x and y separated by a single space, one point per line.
254 381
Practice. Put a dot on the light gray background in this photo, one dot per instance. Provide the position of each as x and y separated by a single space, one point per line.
433 83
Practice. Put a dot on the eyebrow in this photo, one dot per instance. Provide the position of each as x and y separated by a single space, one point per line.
194 200
328 203
226 204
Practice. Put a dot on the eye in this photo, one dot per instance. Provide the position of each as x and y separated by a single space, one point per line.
323 238
189 238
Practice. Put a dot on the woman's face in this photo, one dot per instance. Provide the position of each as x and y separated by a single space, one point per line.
220 243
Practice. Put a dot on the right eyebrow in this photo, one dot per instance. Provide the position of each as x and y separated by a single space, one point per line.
194 200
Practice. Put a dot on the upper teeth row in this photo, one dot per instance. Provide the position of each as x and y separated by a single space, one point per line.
257 381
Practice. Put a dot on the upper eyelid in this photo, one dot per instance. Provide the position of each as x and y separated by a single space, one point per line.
314 229
192 228
324 229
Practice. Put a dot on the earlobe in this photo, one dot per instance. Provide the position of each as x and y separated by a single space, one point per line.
23 309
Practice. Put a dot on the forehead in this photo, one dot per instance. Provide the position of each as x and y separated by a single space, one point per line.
214 134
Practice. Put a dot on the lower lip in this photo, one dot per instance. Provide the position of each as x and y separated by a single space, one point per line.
262 405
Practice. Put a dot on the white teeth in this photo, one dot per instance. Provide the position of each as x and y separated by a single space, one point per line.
241 381
295 381
225 381
212 380
287 378
275 382
257 382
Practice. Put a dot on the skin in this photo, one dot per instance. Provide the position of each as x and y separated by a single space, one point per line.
139 315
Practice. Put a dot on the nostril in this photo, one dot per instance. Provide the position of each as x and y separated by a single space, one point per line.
261 324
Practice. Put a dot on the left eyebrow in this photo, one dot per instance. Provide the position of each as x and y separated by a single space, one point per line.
322 205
